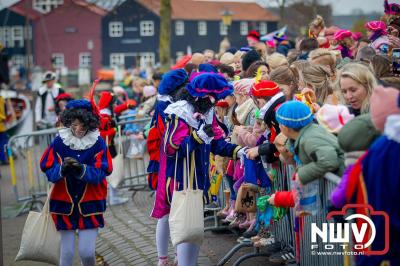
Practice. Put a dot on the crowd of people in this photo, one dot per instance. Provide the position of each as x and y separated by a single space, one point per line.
326 103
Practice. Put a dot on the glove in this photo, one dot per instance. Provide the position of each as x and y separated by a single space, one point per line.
209 130
73 167
203 134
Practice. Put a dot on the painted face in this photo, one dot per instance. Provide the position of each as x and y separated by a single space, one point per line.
264 72
353 92
79 130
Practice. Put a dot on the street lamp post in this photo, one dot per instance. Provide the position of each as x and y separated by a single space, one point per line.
227 19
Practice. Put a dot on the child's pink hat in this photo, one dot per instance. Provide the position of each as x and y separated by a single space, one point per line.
149 91
333 117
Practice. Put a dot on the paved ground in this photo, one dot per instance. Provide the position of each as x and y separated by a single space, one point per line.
127 239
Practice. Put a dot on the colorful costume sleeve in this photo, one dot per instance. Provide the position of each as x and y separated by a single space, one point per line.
225 149
177 137
101 168
338 196
50 164
324 159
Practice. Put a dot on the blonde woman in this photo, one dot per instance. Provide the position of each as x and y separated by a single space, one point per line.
276 60
355 84
287 80
318 78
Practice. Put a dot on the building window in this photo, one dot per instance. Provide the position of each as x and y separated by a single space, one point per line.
179 28
18 60
179 55
58 60
117 59
85 60
115 29
146 28
6 36
45 6
244 28
263 28
202 28
223 29
147 60
18 36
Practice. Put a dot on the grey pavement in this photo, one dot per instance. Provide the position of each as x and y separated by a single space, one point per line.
128 237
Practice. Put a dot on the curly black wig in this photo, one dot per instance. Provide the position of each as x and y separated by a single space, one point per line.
200 105
89 119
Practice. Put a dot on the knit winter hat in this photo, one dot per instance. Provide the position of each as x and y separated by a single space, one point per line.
342 34
249 58
294 114
149 91
209 84
171 81
376 25
383 102
243 86
333 117
264 88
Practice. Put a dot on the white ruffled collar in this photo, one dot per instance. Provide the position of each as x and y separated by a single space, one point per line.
392 127
265 108
185 111
164 98
76 143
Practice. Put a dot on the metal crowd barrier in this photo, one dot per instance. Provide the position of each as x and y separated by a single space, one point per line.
283 230
30 184
28 181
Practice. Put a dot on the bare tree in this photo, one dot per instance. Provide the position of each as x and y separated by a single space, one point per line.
165 33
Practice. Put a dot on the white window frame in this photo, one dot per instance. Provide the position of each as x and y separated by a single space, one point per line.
147 28
45 6
6 36
85 59
179 28
117 59
223 29
147 59
202 28
244 28
179 55
115 29
18 60
59 60
17 35
263 28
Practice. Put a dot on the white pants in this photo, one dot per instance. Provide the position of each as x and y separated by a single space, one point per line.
187 253
86 246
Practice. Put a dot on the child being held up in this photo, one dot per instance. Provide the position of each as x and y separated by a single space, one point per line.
316 152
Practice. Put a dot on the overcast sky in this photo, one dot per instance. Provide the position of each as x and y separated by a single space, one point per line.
339 6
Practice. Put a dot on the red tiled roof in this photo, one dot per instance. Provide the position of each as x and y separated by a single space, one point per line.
211 10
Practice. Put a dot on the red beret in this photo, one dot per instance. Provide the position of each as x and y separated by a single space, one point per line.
63 96
253 34
222 103
105 100
264 88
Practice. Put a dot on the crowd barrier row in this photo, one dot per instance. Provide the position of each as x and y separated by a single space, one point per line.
30 184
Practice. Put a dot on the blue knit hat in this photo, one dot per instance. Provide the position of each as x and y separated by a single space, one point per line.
210 84
171 81
294 114
79 104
